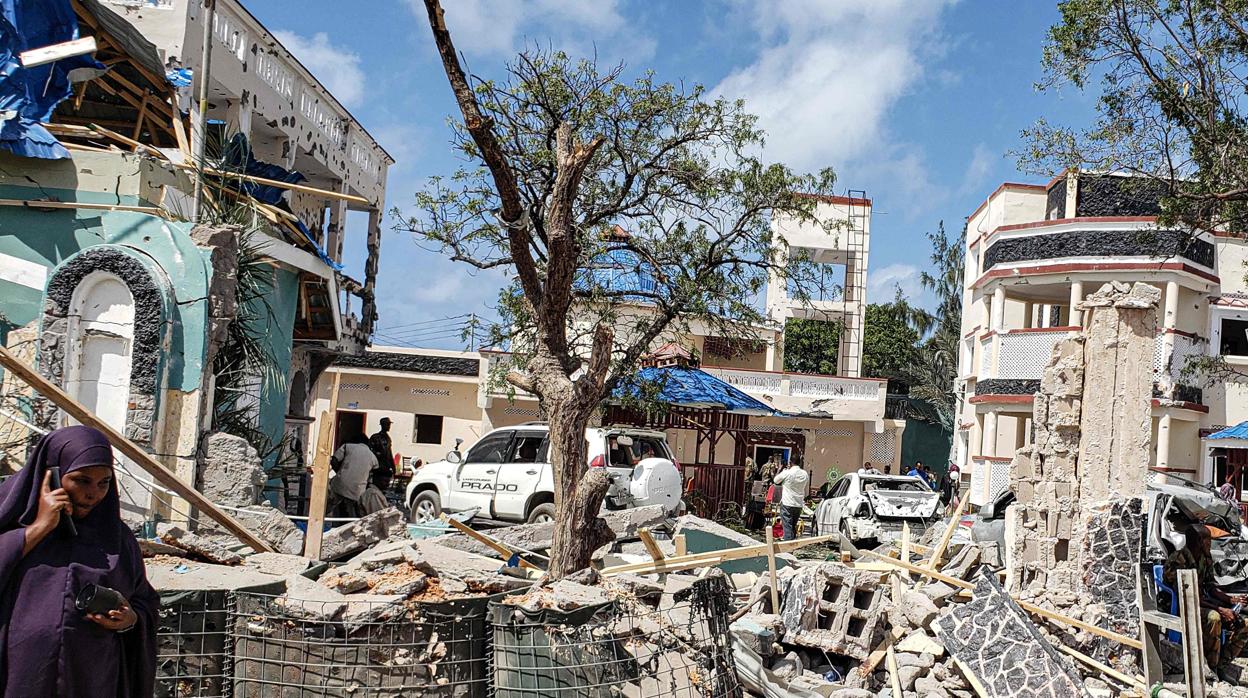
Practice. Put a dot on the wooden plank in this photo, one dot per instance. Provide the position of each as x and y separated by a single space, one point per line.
138 123
894 681
489 542
905 544
55 52
327 193
128 140
37 205
320 474
877 655
681 549
771 571
1133 681
677 564
128 448
934 561
1193 649
651 546
971 678
179 133
1030 607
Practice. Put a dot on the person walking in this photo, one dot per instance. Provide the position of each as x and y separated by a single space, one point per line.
48 646
793 482
352 463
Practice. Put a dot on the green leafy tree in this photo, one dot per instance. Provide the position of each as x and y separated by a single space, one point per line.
577 175
811 346
932 377
1171 107
890 343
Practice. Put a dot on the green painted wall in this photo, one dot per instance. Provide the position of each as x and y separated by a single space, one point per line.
280 330
927 442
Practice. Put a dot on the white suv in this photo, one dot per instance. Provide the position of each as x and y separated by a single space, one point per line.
507 475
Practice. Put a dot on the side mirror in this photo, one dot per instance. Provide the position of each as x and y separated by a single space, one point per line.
454 456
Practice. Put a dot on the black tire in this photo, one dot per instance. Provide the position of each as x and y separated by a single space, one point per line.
542 513
426 507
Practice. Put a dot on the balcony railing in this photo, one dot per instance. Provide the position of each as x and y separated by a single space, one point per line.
801 385
1019 354
990 476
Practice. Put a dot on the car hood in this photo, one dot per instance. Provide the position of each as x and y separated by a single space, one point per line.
902 504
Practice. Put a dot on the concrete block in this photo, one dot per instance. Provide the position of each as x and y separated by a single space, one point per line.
278 564
230 471
200 546
362 533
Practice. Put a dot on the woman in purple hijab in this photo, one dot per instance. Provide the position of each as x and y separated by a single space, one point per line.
47 646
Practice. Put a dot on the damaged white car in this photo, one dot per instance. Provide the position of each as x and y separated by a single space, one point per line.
874 507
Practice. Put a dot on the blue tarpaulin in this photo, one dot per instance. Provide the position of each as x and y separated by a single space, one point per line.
682 386
1239 431
238 156
28 96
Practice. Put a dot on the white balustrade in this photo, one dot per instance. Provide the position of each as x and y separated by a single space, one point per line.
800 385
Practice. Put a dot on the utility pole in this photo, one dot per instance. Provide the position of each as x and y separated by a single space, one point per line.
202 74
472 332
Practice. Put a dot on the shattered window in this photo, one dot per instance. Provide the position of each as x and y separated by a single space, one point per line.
893 485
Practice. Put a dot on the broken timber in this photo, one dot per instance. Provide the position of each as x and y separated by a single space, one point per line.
140 457
1029 607
494 545
651 546
320 478
710 559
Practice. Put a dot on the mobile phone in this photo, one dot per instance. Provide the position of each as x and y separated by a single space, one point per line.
67 520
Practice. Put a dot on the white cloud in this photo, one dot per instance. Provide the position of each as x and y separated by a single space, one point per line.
829 72
499 28
882 284
337 68
978 169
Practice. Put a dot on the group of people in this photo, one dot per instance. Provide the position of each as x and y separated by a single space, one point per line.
363 468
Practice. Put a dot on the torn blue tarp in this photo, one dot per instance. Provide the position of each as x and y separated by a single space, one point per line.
682 386
320 251
28 96
238 156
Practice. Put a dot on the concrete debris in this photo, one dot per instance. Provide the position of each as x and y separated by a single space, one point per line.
362 533
230 471
271 525
563 595
279 564
1010 657
834 608
537 537
200 546
151 548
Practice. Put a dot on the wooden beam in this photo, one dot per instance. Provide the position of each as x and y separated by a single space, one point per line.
138 123
877 655
127 140
1029 607
1193 646
66 49
489 542
771 570
137 455
1133 681
651 546
714 557
37 204
679 541
327 193
893 680
179 132
320 474
934 561
971 678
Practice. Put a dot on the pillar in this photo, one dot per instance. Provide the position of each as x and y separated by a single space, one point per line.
1169 319
368 314
1076 297
997 321
337 225
988 444
1163 441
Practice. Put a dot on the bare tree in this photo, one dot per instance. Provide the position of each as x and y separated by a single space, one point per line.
622 212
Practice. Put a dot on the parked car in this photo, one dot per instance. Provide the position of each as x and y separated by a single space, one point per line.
875 507
507 474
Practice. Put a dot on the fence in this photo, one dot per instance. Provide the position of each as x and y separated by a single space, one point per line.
257 645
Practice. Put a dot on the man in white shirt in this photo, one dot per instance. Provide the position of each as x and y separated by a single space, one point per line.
868 468
793 483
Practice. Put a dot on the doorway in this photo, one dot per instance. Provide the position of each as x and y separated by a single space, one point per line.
762 454
347 426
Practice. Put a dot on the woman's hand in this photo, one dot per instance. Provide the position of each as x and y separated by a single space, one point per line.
122 618
52 502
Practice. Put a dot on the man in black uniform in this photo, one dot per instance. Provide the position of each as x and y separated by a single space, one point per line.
380 444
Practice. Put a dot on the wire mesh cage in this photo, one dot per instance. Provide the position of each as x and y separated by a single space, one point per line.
361 648
193 655
680 649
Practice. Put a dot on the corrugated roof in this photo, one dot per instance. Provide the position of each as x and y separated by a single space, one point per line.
682 386
1239 431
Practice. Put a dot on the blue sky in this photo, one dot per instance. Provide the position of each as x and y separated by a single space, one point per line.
918 102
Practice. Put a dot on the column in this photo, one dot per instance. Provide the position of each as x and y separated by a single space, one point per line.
337 225
369 294
1163 441
988 444
1169 319
998 309
1076 297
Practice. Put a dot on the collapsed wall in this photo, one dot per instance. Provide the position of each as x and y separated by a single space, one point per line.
1075 526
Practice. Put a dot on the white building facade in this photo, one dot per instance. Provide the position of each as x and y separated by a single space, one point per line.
1033 253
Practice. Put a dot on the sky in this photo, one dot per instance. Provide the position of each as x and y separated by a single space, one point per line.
919 103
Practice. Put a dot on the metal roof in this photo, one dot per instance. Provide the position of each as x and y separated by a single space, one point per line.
1239 431
683 386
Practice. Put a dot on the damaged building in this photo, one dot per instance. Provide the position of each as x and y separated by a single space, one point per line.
169 298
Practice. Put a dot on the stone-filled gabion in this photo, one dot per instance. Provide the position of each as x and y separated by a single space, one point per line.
1100 243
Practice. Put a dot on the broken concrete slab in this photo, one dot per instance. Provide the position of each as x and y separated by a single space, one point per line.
150 548
307 600
200 546
358 535
230 471
702 535
919 642
279 564
270 525
167 576
563 595
1003 649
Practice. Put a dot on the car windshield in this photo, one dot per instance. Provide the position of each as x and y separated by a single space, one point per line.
894 485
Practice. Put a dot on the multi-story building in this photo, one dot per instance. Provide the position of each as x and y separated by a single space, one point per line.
1033 253
839 421
123 291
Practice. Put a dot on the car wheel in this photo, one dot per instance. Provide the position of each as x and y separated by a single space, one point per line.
426 507
542 513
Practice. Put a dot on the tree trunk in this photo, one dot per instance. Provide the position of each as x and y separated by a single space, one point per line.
579 489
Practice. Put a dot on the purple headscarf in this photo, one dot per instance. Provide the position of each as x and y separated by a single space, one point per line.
47 647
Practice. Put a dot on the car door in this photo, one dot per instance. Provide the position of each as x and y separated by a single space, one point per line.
473 482
838 500
519 476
